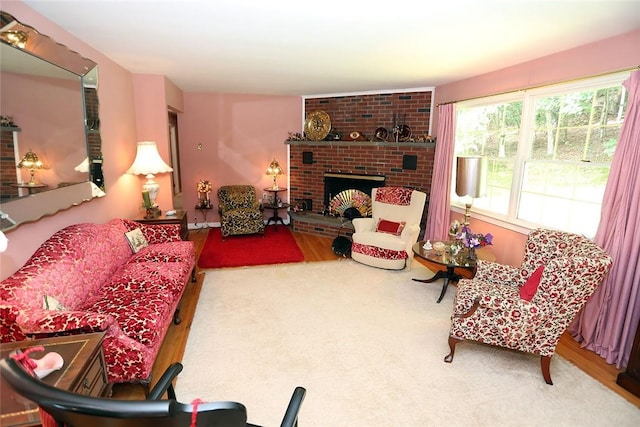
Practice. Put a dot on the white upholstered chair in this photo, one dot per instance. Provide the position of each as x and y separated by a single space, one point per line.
385 239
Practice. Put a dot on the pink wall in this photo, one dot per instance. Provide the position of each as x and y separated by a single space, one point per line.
153 123
118 132
604 56
240 135
174 96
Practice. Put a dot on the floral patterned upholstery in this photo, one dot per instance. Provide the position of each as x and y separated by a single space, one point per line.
240 212
91 270
383 249
489 308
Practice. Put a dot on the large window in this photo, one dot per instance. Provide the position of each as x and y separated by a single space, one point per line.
549 151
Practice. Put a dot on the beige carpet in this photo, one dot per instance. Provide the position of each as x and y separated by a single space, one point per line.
368 345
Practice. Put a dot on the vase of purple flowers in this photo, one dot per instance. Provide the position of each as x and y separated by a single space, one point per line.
472 241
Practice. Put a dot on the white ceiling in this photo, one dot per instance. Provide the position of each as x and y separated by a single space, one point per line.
293 47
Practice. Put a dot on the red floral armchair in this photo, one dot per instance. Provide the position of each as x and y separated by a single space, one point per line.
528 308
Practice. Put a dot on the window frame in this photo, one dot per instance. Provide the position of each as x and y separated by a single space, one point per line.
527 127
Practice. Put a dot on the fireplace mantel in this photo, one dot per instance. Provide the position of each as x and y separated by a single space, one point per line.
361 143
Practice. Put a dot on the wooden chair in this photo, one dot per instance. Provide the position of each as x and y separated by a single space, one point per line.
75 410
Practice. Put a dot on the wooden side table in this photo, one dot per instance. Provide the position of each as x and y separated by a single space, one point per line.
274 205
84 372
205 211
31 188
179 218
453 270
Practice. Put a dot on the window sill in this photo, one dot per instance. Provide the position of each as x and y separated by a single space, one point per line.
516 226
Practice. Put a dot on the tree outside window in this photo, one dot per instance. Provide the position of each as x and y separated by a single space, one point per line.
549 151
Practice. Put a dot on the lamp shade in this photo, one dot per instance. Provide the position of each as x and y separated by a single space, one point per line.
274 168
148 160
15 38
31 162
471 176
3 242
83 166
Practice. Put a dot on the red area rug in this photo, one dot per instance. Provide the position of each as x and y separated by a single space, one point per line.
276 247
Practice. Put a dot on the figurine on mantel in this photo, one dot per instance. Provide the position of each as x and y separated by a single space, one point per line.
7 121
295 136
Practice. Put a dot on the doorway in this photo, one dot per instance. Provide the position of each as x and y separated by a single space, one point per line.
175 161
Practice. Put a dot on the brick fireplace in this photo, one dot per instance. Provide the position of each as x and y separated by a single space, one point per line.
307 179
404 164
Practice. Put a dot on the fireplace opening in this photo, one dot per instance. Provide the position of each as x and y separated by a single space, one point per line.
335 184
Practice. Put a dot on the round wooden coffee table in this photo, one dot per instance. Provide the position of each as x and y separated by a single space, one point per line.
450 262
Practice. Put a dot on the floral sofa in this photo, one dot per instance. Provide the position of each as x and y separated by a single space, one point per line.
87 278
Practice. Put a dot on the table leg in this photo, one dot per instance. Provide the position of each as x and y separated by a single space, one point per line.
275 218
447 276
205 223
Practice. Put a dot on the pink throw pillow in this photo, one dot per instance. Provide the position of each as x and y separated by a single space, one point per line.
528 290
391 227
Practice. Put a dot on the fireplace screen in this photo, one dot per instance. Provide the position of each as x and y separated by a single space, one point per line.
336 183
350 199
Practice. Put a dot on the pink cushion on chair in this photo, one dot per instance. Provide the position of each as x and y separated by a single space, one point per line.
391 227
528 290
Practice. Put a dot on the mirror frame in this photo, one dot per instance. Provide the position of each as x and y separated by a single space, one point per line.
32 207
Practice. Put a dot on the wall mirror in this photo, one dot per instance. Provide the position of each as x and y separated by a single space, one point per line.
49 108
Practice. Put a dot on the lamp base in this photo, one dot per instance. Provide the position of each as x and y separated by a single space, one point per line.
467 214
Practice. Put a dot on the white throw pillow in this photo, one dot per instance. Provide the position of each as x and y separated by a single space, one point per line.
136 240
51 303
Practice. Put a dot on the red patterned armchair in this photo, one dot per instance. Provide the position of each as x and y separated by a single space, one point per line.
528 308
385 240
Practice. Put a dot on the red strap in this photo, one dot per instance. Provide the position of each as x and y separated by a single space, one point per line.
194 414
23 358
29 365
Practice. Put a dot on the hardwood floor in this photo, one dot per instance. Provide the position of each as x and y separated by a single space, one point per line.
316 248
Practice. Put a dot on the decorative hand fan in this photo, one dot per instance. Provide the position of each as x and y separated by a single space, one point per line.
351 198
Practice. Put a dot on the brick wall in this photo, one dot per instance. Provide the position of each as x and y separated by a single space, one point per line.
366 113
319 225
362 113
404 164
7 165
307 180
94 142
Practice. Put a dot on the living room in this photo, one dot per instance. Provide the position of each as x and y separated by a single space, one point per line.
230 137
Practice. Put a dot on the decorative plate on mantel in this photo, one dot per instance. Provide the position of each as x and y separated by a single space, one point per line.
382 134
317 125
